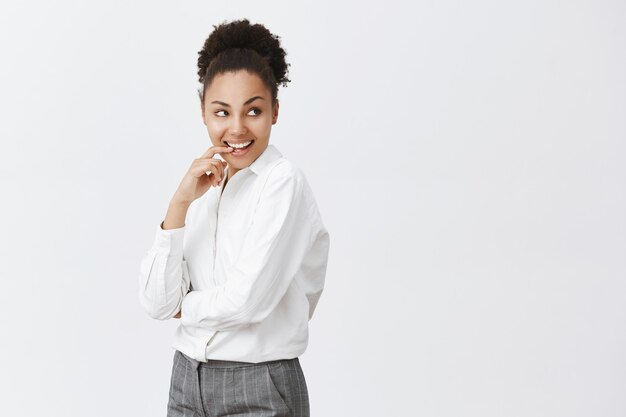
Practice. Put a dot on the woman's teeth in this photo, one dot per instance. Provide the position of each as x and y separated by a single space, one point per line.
239 146
240 149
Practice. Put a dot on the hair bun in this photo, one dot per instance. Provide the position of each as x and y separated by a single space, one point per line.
241 34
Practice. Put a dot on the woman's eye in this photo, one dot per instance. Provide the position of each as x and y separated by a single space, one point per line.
257 110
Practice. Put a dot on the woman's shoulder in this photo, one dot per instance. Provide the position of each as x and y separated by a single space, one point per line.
285 171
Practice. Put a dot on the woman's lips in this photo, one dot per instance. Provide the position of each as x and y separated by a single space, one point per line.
243 151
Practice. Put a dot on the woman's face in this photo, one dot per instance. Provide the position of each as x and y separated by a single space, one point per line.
238 109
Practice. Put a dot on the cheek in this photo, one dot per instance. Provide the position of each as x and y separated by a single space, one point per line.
263 125
215 130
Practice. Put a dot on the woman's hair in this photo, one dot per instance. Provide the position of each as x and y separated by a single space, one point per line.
238 45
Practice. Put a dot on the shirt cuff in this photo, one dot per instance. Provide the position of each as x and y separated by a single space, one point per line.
170 239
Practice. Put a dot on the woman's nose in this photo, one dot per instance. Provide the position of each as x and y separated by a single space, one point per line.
238 127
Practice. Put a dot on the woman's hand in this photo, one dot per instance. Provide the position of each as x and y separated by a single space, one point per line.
203 173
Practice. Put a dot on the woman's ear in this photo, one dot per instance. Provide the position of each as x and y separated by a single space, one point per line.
275 113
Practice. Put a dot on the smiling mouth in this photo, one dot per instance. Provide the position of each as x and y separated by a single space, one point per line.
236 146
237 152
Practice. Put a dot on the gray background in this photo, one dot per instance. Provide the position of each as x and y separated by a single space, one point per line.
468 159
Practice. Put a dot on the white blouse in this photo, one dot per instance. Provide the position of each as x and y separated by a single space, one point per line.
247 268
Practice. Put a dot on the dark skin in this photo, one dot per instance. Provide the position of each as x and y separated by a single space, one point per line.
238 105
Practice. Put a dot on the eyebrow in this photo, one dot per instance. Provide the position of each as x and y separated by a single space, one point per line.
250 100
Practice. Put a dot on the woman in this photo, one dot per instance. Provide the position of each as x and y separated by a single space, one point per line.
241 255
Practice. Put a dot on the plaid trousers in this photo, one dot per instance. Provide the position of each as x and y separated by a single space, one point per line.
226 388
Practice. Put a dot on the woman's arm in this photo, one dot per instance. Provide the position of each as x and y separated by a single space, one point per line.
162 281
272 252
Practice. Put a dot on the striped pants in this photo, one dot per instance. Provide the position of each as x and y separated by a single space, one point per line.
225 388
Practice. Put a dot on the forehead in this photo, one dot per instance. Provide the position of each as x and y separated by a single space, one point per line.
236 87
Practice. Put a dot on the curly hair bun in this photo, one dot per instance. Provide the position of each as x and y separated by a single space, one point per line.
241 35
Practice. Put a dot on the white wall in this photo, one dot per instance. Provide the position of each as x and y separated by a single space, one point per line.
468 159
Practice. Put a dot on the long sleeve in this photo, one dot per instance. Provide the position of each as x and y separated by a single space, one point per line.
273 250
316 265
163 281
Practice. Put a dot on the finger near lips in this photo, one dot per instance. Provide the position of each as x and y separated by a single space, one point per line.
216 149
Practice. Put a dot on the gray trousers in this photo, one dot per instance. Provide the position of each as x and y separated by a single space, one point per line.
225 388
